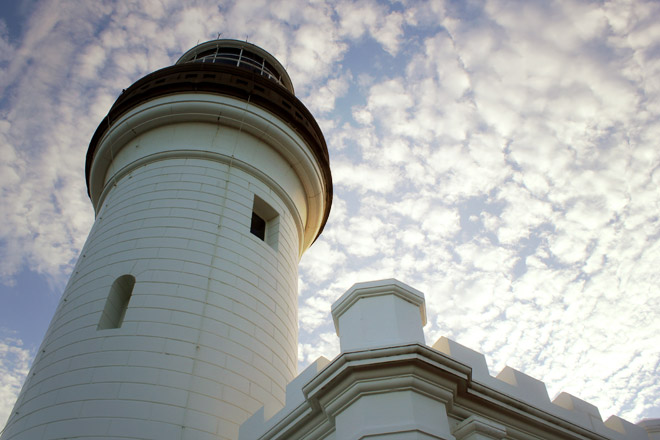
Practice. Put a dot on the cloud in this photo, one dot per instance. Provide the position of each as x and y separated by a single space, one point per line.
320 261
14 363
365 16
364 177
323 98
326 344
523 148
502 158
6 47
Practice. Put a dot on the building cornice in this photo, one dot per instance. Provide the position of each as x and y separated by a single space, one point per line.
424 371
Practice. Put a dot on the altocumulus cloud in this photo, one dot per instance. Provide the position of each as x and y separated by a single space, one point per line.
14 362
499 156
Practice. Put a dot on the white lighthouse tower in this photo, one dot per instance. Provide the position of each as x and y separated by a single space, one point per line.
209 180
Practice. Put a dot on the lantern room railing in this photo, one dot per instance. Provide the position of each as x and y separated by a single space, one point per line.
239 57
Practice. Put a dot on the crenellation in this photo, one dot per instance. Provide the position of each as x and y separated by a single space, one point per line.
522 387
579 411
625 428
477 406
475 360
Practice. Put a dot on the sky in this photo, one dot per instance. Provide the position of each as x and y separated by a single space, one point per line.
501 156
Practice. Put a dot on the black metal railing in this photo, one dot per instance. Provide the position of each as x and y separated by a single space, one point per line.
244 60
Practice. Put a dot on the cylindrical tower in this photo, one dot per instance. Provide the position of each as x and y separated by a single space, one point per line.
209 180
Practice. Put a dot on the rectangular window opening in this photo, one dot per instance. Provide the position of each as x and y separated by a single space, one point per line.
258 226
265 222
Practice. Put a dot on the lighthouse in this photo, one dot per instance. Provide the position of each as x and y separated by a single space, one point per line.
209 179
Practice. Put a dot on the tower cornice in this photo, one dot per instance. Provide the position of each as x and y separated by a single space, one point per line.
224 80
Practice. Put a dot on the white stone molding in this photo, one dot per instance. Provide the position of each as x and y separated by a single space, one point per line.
356 396
652 427
479 428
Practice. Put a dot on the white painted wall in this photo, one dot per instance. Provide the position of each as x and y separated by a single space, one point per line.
210 334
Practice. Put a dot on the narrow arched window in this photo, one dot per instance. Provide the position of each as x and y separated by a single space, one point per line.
117 302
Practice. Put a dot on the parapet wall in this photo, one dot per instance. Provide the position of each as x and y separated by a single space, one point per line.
387 383
526 389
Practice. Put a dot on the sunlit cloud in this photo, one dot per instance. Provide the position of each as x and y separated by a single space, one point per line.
501 157
14 363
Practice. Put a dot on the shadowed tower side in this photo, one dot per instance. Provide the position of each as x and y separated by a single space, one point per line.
209 180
